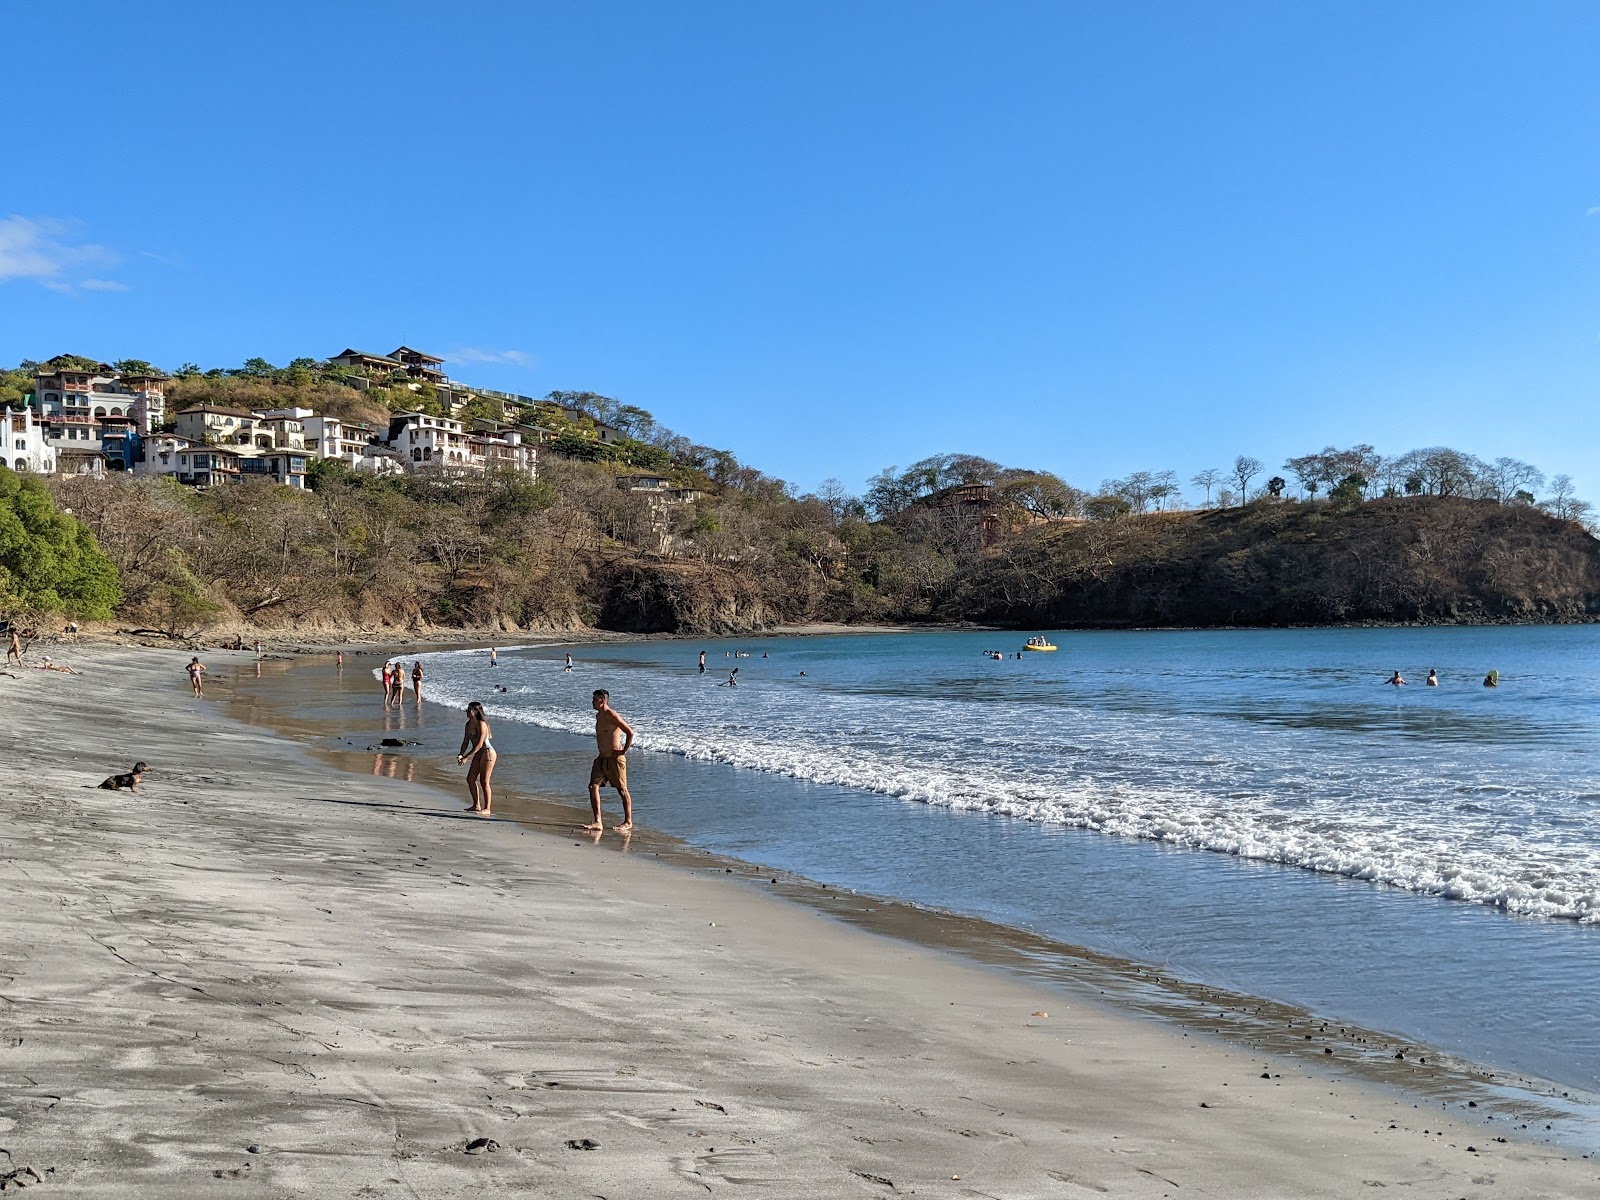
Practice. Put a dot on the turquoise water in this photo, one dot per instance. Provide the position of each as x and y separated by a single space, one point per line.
1253 809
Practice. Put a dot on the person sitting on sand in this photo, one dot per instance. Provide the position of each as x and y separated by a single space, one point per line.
477 744
197 673
1433 677
611 764
1396 680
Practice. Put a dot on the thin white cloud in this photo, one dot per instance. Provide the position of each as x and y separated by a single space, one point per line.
502 358
1593 212
46 252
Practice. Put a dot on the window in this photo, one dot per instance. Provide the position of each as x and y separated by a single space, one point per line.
416 455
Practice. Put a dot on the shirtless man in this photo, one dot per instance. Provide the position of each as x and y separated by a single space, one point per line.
14 650
611 765
197 674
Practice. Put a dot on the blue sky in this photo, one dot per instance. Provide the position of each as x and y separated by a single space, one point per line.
833 237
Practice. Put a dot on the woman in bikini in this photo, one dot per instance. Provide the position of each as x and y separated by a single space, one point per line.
477 744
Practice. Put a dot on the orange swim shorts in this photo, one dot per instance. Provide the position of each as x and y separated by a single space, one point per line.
613 771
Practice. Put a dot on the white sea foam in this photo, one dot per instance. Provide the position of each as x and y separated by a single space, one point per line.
1292 797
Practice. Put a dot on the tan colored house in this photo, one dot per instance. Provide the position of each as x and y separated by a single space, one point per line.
216 426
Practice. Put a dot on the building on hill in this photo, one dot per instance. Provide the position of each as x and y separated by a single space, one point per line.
425 442
969 504
281 429
160 455
64 385
206 466
287 467
420 366
504 450
662 498
94 418
353 443
216 426
26 447
369 364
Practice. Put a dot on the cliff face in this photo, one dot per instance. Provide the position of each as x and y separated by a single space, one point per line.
684 598
1410 559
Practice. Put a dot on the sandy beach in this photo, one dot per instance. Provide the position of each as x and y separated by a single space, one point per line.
260 977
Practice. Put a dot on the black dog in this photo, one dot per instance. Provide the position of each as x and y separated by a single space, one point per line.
130 780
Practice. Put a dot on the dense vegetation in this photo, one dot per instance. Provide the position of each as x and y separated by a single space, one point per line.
1430 535
49 562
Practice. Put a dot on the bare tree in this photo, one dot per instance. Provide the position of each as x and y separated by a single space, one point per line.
1504 478
1164 489
1245 469
1562 502
840 502
1207 479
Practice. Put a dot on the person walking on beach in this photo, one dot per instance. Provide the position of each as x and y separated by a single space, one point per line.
14 649
477 744
197 673
416 680
611 764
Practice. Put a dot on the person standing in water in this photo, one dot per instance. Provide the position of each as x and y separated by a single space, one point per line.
197 675
416 679
568 667
477 744
1396 680
611 764
494 657
702 662
1433 677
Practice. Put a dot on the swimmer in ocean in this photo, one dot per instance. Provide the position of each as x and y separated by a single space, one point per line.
1433 677
1396 680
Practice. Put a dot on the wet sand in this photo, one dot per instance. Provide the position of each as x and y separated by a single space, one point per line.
257 976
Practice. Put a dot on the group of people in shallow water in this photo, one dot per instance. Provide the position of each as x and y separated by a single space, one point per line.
394 682
1492 679
613 738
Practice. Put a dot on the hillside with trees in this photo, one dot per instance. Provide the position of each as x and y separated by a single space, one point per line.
1335 535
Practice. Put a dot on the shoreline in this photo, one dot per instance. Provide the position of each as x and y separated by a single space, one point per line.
1277 1026
249 970
315 641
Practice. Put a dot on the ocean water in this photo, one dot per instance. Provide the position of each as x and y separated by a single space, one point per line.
1254 809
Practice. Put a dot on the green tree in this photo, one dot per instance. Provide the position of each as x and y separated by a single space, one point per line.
182 597
1349 491
49 562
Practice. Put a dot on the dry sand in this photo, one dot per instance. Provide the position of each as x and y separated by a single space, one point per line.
257 978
